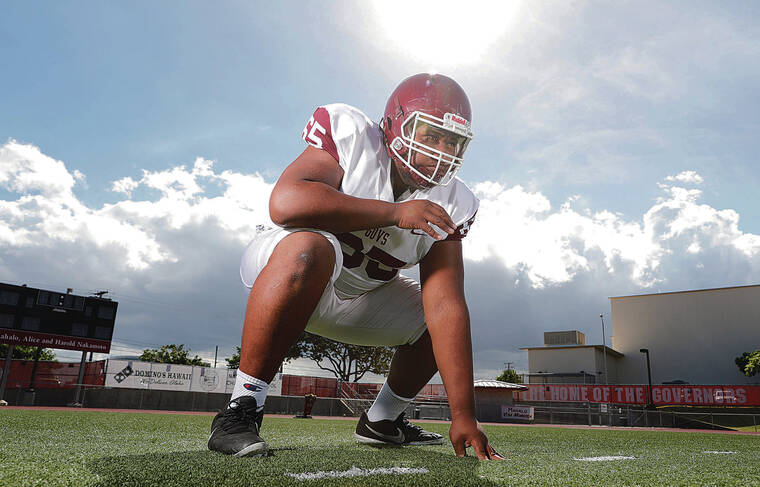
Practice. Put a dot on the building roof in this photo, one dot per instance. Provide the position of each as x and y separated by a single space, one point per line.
686 291
610 351
497 384
562 374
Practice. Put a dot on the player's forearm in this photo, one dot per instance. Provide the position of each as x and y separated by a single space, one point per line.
316 205
450 333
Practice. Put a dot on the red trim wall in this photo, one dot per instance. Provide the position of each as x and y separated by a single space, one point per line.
297 385
54 375
692 395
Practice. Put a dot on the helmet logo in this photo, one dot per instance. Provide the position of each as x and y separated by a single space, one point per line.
455 123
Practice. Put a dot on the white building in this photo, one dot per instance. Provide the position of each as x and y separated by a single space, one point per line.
691 336
566 359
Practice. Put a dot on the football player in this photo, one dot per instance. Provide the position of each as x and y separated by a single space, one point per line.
363 201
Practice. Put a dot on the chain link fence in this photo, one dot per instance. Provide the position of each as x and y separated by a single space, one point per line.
593 414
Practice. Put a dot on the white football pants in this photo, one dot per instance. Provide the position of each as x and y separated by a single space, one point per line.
389 315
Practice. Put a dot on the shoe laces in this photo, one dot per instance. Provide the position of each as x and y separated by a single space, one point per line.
244 415
407 425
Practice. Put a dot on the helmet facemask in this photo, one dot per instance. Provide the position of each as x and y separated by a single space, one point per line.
450 134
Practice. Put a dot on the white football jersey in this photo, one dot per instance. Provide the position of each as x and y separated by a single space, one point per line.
373 257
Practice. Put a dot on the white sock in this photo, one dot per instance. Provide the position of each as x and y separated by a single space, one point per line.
388 405
245 385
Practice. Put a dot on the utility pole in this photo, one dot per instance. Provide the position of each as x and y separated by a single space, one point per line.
80 380
650 402
604 350
508 365
215 353
34 370
6 370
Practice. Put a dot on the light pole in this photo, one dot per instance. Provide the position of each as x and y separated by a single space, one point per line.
650 403
604 350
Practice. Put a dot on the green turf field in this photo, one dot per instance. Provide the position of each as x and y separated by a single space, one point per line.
81 448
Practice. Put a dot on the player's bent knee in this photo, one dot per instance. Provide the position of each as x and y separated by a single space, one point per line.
303 256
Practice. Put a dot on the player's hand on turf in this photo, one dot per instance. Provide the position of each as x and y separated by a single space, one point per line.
419 214
464 434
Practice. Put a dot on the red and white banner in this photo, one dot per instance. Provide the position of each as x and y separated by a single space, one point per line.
47 340
696 395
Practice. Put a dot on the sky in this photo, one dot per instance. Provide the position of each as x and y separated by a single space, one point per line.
615 150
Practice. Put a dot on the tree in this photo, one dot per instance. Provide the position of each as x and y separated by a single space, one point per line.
234 361
27 353
346 362
511 376
172 354
749 363
753 365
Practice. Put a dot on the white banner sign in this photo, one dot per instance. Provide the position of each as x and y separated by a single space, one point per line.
517 412
135 374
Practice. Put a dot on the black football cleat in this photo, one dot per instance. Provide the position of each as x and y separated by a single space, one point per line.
235 429
398 432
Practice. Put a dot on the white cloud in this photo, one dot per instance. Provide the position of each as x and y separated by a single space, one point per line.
47 212
125 186
80 178
26 170
520 229
686 177
171 259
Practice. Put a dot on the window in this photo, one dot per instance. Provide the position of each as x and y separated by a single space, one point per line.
103 332
30 323
70 301
58 300
79 329
6 320
9 297
105 312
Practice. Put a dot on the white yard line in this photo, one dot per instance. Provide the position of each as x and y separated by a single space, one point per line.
357 472
604 459
719 452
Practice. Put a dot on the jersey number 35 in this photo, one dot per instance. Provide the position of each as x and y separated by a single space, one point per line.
375 257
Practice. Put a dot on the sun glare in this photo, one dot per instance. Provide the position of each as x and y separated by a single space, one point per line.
444 32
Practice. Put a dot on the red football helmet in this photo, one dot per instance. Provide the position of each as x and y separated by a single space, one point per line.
427 127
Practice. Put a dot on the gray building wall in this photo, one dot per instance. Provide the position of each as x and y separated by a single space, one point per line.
692 335
573 359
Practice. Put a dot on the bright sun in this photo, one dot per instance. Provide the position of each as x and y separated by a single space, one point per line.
445 32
